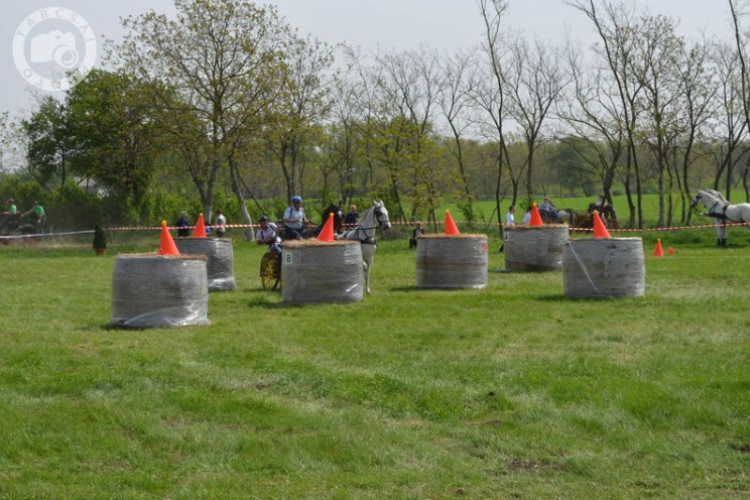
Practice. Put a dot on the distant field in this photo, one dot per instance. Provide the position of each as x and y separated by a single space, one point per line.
511 392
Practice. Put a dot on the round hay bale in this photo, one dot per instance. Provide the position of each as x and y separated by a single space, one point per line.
154 291
315 271
452 261
220 264
604 268
534 249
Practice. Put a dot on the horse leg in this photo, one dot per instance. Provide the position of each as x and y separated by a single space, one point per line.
366 270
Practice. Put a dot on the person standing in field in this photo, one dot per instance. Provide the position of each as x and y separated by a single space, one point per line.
12 209
221 224
509 217
183 225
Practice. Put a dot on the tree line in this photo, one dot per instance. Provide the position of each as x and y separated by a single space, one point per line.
228 102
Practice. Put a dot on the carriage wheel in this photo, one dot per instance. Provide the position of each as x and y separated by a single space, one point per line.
270 271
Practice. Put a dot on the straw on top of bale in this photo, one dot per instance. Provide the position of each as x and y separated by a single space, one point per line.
288 245
453 236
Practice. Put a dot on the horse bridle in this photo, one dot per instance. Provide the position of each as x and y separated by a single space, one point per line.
367 239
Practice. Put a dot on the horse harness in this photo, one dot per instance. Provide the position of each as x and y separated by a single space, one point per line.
716 215
368 240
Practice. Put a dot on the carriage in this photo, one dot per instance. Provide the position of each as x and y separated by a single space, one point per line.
11 225
270 263
364 232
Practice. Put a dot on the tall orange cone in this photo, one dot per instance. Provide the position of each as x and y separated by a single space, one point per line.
450 225
200 228
600 230
167 246
327 233
536 219
659 251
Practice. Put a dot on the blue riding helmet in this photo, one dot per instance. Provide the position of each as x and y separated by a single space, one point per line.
296 199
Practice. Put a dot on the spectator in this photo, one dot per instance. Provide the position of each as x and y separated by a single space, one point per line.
221 224
183 225
352 217
509 218
294 219
527 217
418 231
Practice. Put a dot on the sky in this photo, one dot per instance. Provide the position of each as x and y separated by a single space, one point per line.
369 24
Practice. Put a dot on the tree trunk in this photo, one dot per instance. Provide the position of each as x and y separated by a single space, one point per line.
237 189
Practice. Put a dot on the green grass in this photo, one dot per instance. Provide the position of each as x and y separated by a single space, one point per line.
510 392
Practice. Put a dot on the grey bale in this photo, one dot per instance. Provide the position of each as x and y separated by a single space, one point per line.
154 291
594 268
452 261
535 249
314 271
220 260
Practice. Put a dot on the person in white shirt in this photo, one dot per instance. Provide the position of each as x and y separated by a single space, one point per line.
527 217
509 219
221 224
294 220
266 232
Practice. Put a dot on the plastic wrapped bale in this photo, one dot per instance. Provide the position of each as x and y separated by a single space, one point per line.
315 271
220 260
530 248
154 291
611 267
452 261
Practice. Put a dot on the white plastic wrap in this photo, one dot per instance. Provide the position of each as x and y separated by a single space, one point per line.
220 260
534 248
447 261
604 268
153 291
319 272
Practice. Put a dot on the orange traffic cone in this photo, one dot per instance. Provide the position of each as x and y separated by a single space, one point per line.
200 228
659 251
670 251
327 233
450 225
167 246
600 230
536 219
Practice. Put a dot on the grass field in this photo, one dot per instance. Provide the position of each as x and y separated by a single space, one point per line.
512 392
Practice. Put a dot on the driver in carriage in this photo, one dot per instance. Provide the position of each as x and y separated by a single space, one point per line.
268 235
548 211
294 220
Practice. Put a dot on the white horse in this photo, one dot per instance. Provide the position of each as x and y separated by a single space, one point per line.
721 211
375 217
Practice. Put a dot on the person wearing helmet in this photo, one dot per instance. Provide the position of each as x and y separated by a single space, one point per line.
266 234
294 219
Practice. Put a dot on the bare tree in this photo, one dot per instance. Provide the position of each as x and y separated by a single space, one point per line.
618 30
455 104
489 93
535 79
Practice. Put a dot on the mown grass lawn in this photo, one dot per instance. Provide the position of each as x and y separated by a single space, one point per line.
510 392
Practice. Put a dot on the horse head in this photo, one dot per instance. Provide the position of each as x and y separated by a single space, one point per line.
381 214
701 196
